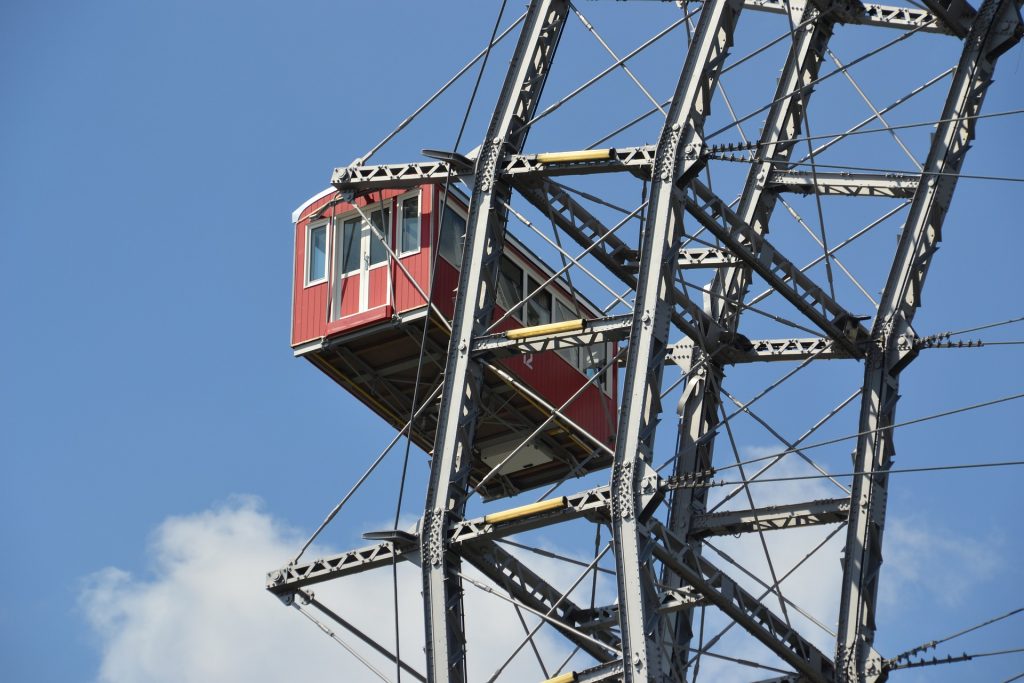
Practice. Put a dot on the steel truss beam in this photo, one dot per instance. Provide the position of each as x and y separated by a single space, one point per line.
765 350
891 185
595 332
871 14
700 404
996 29
782 274
677 160
460 396
771 518
708 257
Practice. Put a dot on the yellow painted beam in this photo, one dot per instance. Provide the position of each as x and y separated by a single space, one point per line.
569 677
550 328
568 157
526 510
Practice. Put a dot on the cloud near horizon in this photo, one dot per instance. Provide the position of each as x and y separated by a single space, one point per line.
203 614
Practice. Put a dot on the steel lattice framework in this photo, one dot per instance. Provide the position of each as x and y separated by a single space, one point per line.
660 520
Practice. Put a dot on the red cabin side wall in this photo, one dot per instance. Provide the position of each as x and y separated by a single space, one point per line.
550 375
309 304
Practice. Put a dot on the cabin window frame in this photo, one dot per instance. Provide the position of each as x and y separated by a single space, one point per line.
464 215
310 227
385 207
400 228
339 255
353 215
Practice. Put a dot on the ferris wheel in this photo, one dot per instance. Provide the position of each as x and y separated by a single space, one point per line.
633 348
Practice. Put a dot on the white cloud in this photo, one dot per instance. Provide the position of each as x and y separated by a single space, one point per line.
946 566
204 616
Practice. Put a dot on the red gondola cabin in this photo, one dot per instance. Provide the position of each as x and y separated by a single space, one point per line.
358 315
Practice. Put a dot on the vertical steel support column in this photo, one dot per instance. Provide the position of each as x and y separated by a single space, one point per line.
996 29
677 160
460 398
699 404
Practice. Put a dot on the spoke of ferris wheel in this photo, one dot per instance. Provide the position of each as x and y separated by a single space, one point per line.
542 287
919 124
533 645
593 31
566 661
564 254
750 307
387 449
769 588
753 506
590 197
545 618
718 636
826 253
871 53
876 114
746 662
764 392
551 555
795 449
565 477
430 100
619 62
887 215
336 638
771 430
725 70
983 327
887 428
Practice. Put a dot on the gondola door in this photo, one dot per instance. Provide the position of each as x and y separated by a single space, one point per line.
362 281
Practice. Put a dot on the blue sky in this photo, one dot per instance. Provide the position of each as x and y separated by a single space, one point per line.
150 157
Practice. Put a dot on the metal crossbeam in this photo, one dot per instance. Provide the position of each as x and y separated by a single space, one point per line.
891 185
771 518
887 16
292 577
460 395
766 350
781 273
595 332
388 176
708 257
996 29
636 160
